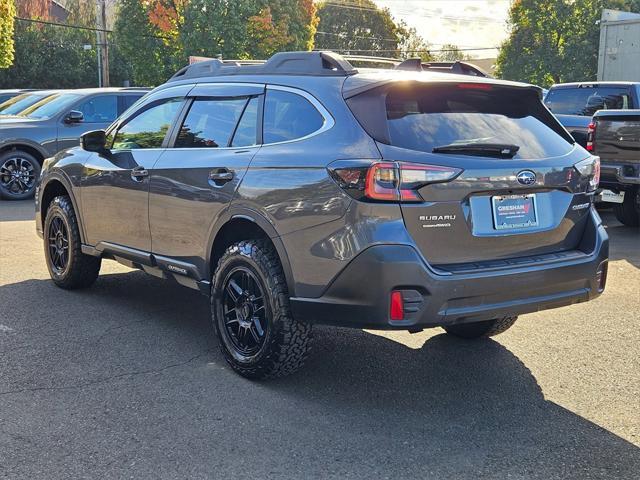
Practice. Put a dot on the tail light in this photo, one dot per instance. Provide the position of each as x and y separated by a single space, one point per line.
389 181
590 168
591 136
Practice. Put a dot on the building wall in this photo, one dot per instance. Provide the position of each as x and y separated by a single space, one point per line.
619 53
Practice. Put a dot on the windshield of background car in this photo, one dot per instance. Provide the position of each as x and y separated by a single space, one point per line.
17 104
585 101
50 106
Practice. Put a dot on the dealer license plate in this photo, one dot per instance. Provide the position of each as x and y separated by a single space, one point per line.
514 211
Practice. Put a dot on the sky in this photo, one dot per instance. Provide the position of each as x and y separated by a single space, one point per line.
466 23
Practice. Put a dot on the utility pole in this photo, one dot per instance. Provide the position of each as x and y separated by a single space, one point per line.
102 44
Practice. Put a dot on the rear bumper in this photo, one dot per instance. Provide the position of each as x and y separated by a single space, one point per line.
619 175
360 295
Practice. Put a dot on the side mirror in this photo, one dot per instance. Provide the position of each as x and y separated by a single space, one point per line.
74 116
94 141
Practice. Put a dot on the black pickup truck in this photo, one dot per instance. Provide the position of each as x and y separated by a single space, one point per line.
614 135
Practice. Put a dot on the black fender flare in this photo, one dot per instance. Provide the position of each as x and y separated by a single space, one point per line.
66 183
262 222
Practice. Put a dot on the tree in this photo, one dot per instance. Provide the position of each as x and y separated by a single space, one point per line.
152 55
413 45
48 56
451 53
554 41
358 27
7 13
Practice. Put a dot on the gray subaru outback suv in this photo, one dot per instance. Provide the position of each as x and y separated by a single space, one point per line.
302 191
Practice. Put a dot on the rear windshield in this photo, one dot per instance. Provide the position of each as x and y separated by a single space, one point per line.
586 101
425 117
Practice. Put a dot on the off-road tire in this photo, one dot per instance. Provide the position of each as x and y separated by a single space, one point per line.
10 157
287 342
628 212
81 270
485 329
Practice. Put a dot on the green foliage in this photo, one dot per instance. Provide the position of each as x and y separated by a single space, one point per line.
144 54
553 41
451 53
7 12
359 27
413 45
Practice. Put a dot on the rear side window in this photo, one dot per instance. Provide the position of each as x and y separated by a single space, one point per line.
288 116
247 131
210 123
100 109
428 116
586 101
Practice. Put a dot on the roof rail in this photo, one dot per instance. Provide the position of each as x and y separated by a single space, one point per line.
319 63
459 67
367 58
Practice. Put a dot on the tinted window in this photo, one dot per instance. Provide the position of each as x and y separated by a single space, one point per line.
288 116
587 100
127 100
210 123
247 131
422 118
148 129
50 106
100 109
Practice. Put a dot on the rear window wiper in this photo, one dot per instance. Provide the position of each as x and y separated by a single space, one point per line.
499 150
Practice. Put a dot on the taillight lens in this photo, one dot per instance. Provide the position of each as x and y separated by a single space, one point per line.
590 168
591 137
389 181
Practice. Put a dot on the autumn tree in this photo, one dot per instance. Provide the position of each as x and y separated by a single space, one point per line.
358 27
148 43
553 41
49 56
7 12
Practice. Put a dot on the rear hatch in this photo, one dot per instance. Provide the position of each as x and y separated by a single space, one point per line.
617 136
516 192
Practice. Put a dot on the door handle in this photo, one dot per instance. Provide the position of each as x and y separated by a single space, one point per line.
138 174
220 176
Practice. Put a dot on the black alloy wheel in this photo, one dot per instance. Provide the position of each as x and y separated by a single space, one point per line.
58 241
245 316
18 175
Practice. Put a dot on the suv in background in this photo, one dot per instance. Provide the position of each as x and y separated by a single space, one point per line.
575 103
302 191
52 124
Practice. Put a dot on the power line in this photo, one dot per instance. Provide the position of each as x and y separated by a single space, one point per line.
79 27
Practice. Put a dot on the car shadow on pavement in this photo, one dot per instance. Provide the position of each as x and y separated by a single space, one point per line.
17 211
136 354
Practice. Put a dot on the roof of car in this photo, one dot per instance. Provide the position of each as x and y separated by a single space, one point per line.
367 79
90 91
592 84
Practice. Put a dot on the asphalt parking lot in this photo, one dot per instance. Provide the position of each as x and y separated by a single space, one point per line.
124 380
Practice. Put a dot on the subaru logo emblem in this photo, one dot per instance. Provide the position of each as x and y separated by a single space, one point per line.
526 177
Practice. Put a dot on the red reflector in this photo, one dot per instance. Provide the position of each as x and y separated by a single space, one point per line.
397 306
475 86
